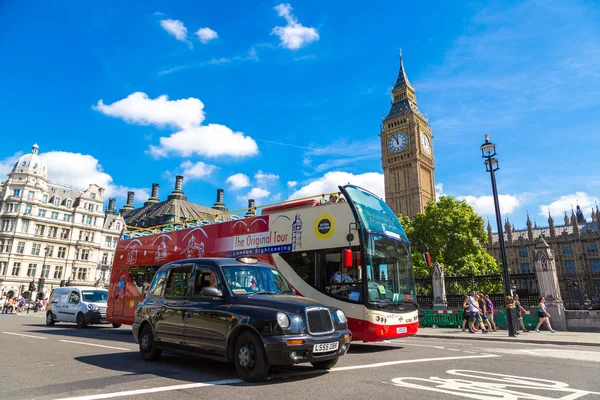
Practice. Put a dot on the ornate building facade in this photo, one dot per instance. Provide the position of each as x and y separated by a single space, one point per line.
407 152
53 231
574 244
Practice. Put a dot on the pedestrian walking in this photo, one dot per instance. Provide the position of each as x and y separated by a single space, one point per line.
544 316
490 310
520 309
465 311
484 312
475 314
4 307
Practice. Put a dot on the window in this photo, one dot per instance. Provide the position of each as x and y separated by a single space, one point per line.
12 207
56 201
525 269
102 275
8 225
5 246
179 279
31 270
93 196
17 192
25 226
142 277
67 217
28 209
592 247
91 207
86 236
64 233
16 269
119 226
74 298
3 267
82 274
62 252
69 203
570 267
567 250
54 215
30 194
205 277
35 249
85 254
88 220
45 198
50 250
52 231
595 265
41 213
20 247
45 271
58 271
104 258
39 229
523 253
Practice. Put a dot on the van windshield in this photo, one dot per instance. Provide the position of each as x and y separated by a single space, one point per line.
95 296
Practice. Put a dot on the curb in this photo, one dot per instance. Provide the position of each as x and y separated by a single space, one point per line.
509 340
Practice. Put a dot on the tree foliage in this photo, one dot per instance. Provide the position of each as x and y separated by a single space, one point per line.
455 235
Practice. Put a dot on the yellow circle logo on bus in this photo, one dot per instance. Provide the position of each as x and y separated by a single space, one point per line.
324 226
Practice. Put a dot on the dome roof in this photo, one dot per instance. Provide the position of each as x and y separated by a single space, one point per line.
31 164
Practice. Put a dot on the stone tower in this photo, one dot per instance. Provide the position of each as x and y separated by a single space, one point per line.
406 152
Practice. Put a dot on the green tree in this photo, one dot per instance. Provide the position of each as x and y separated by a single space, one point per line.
454 234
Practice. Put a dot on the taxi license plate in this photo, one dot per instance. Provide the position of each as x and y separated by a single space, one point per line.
325 347
401 329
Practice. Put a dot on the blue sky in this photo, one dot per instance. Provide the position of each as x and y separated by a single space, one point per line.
272 100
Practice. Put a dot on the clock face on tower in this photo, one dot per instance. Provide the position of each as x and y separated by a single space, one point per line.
397 142
425 144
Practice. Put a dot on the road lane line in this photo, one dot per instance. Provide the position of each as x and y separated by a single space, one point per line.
20 334
97 345
234 381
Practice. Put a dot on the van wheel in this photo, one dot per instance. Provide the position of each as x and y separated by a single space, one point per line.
250 359
116 325
325 364
49 319
81 321
148 350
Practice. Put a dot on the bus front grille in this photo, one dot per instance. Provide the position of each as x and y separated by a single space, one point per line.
319 321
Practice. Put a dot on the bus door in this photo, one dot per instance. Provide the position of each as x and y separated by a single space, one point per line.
120 291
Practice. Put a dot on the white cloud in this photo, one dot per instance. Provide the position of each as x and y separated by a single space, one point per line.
238 181
205 35
265 179
276 197
294 35
255 193
197 170
484 205
211 140
439 191
292 184
329 182
175 28
566 202
82 170
7 165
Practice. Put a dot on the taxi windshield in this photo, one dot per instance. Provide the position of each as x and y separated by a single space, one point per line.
248 280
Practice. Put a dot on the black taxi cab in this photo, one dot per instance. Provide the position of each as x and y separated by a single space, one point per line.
237 310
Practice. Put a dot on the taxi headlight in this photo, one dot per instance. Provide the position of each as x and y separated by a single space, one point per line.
93 307
341 316
283 320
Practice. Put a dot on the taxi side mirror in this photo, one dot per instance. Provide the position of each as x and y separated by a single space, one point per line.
210 291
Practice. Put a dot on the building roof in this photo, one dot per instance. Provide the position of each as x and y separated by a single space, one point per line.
545 231
402 107
31 163
402 79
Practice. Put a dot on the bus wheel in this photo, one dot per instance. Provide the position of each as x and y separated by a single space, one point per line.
49 319
325 364
116 325
81 321
250 358
148 350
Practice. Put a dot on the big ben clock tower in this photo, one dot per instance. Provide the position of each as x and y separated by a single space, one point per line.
406 152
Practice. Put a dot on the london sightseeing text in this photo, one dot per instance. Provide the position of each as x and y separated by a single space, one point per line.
353 255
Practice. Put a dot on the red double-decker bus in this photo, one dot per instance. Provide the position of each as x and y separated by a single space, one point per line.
352 254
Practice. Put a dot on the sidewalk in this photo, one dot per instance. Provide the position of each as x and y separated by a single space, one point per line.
544 337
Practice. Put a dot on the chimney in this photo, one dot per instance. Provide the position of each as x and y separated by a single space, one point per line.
111 206
220 205
154 198
178 192
251 210
129 205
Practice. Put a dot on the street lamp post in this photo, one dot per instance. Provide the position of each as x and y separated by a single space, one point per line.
488 152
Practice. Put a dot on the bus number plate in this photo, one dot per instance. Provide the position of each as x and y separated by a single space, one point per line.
401 329
325 347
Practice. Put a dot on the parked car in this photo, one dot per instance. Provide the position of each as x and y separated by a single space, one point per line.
82 305
240 311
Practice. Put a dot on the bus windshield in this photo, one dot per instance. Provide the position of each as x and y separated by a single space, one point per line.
390 280
255 280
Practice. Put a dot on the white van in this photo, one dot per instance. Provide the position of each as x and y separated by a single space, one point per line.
79 304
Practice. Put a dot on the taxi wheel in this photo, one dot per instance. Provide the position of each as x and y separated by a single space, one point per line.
49 319
81 321
116 325
250 359
325 364
148 350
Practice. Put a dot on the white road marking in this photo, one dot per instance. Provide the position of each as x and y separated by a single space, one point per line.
20 334
97 345
453 350
233 381
420 345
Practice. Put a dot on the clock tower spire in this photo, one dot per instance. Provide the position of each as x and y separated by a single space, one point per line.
406 151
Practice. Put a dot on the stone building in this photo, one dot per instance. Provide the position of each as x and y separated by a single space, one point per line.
53 231
406 152
574 243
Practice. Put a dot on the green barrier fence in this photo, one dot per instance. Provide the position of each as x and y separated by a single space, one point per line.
428 318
